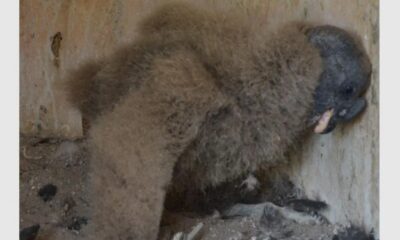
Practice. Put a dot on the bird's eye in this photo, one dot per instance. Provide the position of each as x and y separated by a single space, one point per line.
348 90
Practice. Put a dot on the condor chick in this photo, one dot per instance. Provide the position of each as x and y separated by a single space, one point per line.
203 97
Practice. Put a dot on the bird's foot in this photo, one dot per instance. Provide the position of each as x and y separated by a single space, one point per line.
271 214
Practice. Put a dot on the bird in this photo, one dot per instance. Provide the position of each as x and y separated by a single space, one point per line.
202 97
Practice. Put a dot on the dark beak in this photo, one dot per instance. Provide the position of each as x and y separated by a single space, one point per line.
351 110
345 113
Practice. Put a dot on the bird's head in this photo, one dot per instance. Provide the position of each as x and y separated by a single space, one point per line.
344 79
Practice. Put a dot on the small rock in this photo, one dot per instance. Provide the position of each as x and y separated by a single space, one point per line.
29 233
47 192
76 223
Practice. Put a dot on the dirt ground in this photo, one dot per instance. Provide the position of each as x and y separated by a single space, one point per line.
53 194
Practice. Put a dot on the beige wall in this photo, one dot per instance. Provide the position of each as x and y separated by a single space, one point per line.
340 168
89 29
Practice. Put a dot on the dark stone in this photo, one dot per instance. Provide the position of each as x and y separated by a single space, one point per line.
47 192
77 222
29 233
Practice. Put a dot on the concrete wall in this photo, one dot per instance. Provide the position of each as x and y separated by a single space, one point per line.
340 168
